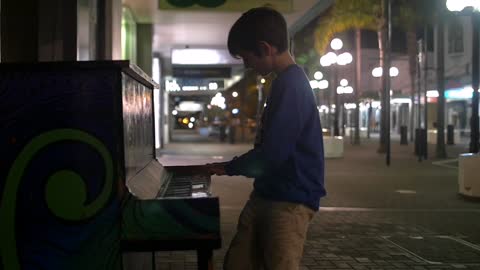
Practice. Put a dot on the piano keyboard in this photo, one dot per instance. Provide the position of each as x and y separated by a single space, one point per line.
196 186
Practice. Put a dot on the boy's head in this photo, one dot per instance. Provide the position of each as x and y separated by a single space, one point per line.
257 36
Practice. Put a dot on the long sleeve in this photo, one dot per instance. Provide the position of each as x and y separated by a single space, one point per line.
281 129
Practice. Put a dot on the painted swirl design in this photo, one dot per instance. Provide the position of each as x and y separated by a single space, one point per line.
65 191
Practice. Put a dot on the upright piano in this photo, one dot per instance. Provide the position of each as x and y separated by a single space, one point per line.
80 184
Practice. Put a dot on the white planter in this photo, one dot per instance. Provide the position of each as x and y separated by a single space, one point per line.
333 147
468 177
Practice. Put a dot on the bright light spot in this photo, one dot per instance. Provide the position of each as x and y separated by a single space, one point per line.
213 86
340 90
394 72
336 44
235 94
185 121
196 57
344 59
432 93
209 106
218 100
190 106
328 59
375 104
348 90
192 119
265 105
400 101
190 88
174 112
344 82
350 106
172 86
323 84
190 125
344 90
459 5
156 69
314 84
377 72
324 108
318 75
262 80
235 111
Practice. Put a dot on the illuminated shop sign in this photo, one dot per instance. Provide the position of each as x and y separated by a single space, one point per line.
177 85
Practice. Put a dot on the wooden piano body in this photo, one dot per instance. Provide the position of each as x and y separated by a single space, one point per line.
79 181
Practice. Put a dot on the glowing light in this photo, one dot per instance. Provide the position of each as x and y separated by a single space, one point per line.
262 81
314 84
190 125
192 119
394 72
174 112
323 84
190 88
350 106
348 90
401 101
459 5
172 86
235 94
344 59
378 72
432 93
213 86
336 44
344 90
318 75
185 121
328 59
190 106
344 82
218 100
235 111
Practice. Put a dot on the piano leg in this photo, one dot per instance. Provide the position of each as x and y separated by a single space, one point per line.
205 259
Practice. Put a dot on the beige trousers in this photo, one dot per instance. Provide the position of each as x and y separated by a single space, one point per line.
270 236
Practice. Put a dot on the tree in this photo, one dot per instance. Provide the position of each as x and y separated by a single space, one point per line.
346 15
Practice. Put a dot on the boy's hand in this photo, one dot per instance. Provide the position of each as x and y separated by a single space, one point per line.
217 168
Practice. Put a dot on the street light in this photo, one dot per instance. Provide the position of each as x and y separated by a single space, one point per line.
461 5
332 59
318 75
378 72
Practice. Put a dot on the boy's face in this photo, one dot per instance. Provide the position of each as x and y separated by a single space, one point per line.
261 64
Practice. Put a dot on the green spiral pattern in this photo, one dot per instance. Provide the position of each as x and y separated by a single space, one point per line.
65 190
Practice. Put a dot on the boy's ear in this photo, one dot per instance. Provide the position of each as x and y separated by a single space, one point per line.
266 49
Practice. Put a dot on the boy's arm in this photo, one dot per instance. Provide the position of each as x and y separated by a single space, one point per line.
280 134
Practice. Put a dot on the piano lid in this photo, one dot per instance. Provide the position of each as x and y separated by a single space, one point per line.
123 65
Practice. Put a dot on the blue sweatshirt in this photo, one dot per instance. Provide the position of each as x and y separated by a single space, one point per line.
287 160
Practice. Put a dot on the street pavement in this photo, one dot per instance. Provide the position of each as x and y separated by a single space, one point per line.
405 216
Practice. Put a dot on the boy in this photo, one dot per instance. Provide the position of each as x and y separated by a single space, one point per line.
287 159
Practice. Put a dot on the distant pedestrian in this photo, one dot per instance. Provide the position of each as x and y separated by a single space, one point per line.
287 160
